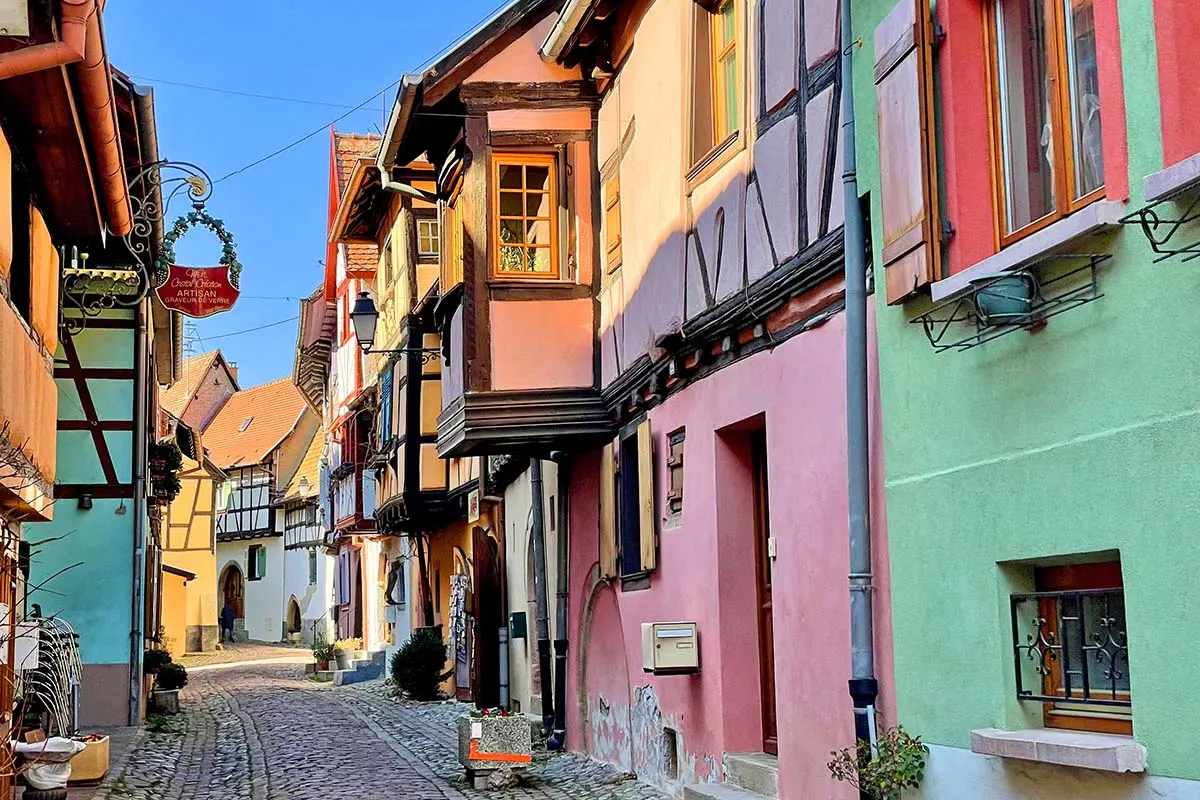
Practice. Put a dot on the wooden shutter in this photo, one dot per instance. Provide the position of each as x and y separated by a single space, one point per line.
903 94
612 222
262 562
646 526
608 514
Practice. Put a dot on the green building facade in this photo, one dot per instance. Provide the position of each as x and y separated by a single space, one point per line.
1040 385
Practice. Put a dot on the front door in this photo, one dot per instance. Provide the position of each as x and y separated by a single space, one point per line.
766 626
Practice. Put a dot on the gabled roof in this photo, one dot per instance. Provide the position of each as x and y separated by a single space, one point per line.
175 400
350 147
252 423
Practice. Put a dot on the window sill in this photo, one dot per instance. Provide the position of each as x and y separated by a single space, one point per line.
1095 218
636 582
1106 752
1160 185
713 160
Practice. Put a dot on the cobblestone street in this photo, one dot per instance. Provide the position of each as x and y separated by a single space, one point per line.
268 731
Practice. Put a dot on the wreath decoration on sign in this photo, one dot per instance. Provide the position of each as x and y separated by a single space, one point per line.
184 224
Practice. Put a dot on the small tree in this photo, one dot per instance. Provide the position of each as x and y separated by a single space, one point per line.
417 666
897 764
154 660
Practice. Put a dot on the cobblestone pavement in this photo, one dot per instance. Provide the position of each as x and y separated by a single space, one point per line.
242 651
267 732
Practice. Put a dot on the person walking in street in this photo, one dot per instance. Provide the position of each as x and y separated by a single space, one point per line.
227 622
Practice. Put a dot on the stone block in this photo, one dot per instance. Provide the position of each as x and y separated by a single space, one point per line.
488 743
1099 751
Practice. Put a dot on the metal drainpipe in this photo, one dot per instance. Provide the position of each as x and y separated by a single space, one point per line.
558 739
140 421
863 685
539 590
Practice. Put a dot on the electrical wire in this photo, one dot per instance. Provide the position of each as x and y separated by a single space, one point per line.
252 330
238 93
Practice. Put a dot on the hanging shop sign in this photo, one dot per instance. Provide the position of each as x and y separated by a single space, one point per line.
198 291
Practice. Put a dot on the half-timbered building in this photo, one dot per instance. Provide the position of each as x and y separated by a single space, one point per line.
259 439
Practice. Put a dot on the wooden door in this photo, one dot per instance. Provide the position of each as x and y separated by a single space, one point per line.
766 625
487 619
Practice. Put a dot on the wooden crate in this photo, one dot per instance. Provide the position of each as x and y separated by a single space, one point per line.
91 765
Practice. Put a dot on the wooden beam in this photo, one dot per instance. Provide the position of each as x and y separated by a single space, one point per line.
495 95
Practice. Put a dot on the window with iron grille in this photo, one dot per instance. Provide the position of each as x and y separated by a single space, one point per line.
1071 649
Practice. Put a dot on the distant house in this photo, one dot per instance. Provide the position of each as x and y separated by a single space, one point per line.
259 438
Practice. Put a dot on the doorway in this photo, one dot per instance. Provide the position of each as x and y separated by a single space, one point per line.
233 587
294 623
766 622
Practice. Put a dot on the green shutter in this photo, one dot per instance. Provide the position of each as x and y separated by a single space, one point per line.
262 562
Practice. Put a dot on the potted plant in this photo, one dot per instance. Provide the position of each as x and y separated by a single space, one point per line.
154 660
344 651
322 653
898 763
171 678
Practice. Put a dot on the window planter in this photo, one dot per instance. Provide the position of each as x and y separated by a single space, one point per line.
166 700
1007 300
489 743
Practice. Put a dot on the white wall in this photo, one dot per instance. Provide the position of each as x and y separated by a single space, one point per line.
398 618
314 599
372 597
263 599
518 503
949 769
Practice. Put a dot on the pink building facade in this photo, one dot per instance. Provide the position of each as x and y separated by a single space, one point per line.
722 499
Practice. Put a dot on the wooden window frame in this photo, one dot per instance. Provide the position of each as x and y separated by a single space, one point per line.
429 219
450 260
1061 130
675 469
702 165
524 159
252 573
636 530
1078 577
612 211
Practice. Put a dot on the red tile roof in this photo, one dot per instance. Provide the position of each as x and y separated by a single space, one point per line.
350 147
175 399
253 422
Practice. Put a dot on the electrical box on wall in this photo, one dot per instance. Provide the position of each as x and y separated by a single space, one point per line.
517 628
670 648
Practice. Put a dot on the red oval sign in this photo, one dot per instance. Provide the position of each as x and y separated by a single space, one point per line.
198 291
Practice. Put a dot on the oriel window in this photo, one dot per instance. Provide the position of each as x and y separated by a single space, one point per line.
1046 101
428 237
525 200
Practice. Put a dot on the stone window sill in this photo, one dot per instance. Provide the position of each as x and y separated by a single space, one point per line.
1160 185
1100 751
1092 219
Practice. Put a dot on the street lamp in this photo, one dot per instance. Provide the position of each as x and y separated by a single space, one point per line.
365 317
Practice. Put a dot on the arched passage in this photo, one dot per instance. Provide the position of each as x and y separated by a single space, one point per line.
233 590
604 686
293 616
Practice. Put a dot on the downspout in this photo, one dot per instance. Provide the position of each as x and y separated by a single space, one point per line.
863 685
69 49
539 590
558 739
95 83
140 421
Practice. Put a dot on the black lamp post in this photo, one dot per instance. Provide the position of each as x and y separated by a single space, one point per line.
365 317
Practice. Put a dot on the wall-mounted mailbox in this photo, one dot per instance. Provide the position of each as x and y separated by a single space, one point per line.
670 648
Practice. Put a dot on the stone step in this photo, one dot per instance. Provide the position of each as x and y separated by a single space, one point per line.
718 791
324 675
755 772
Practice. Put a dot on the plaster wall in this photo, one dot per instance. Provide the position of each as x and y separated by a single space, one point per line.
1076 439
397 619
263 601
521 62
563 332
523 668
174 612
314 599
189 543
705 574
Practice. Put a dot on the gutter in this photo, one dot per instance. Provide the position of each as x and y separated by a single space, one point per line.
82 43
140 420
564 28
398 121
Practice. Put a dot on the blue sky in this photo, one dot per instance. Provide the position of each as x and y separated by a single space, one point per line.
314 50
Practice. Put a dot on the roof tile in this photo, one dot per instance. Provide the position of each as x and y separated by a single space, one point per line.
252 423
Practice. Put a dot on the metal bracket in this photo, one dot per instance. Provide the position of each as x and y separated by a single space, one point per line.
1160 224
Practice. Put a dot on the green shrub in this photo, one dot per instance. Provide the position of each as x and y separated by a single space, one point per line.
897 764
322 651
417 666
154 660
171 676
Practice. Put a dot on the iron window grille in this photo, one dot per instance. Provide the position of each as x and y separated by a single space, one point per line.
1071 647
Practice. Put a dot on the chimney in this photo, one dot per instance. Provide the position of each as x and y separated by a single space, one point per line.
233 369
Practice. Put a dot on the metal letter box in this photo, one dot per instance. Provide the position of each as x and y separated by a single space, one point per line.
670 648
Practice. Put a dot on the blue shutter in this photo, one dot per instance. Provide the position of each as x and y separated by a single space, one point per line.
385 404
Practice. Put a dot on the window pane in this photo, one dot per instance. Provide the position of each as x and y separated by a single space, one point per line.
537 204
1027 144
537 178
510 204
538 232
1085 95
728 22
510 176
511 259
538 259
512 231
729 99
